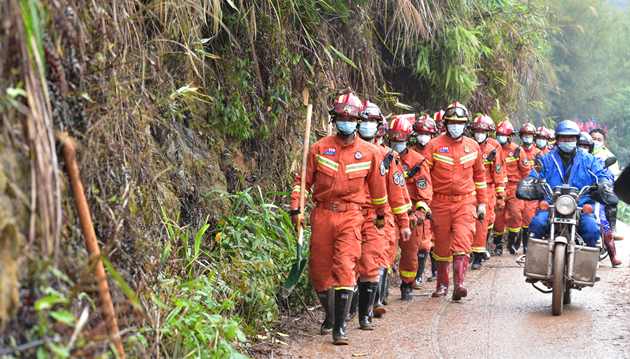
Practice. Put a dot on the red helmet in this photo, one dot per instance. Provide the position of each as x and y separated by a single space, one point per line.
382 129
543 132
424 123
347 105
456 111
527 128
438 117
505 128
370 110
483 122
401 128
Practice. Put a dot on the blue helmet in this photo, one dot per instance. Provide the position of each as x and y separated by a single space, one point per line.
567 128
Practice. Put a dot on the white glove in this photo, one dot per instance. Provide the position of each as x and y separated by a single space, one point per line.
481 209
405 234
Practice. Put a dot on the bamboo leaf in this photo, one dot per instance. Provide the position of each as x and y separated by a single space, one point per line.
343 57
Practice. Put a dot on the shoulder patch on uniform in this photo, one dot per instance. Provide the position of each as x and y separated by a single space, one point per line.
422 183
396 180
358 155
382 169
525 161
405 167
498 167
330 151
511 153
485 155
401 179
443 149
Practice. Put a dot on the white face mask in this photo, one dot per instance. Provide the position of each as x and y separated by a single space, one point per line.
456 130
502 139
480 137
540 143
528 141
379 140
598 145
368 129
423 139
398 146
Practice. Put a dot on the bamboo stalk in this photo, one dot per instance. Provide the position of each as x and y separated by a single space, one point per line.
91 244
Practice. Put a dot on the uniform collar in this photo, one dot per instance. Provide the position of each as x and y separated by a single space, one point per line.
344 144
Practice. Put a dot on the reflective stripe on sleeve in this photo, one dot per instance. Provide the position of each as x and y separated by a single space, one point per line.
422 205
379 200
296 189
481 184
500 189
399 210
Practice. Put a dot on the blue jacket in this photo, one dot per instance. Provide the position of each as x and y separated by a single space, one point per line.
583 162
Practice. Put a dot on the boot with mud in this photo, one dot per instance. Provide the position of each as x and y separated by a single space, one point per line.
379 307
611 216
512 241
367 295
386 294
406 290
486 255
460 265
519 237
525 239
422 261
343 297
442 279
327 299
476 264
609 240
433 276
353 305
498 244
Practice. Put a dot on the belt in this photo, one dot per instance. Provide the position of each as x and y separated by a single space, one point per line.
339 206
452 198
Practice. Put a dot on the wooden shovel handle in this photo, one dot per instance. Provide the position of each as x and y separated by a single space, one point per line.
307 142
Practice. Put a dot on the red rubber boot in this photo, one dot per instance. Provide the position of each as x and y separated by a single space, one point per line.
610 246
460 265
442 279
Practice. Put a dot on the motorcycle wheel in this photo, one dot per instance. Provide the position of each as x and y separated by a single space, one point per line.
558 279
567 293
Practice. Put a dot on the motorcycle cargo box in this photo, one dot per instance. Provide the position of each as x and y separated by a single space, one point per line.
537 259
584 265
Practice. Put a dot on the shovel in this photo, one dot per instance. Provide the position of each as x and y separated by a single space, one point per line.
300 264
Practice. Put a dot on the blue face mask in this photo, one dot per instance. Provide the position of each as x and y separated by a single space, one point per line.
540 143
368 129
347 128
567 147
398 146
456 131
502 139
598 146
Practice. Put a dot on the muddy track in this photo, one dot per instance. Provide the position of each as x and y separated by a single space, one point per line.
502 317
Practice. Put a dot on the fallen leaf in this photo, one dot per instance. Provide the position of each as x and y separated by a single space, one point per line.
283 335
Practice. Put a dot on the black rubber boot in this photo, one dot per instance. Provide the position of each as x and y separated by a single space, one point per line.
611 216
433 276
379 307
327 299
353 305
406 291
422 262
386 294
498 244
486 255
511 242
343 297
519 237
525 239
367 295
476 264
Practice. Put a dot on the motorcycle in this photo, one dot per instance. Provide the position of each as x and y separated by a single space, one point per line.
561 261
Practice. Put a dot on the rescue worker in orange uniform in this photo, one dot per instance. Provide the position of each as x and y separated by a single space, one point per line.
516 167
425 129
491 154
339 167
541 138
373 239
416 177
530 208
438 117
459 185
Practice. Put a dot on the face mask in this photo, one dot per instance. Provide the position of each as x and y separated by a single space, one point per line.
598 145
480 137
368 129
528 141
456 131
346 128
566 147
502 139
398 146
379 140
541 143
423 139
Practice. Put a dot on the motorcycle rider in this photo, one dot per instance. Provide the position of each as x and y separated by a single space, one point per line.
459 184
529 153
516 167
339 168
416 178
586 143
567 164
492 153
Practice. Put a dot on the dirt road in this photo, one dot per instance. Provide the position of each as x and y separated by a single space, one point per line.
502 317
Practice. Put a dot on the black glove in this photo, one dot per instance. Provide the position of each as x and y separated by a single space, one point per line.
605 194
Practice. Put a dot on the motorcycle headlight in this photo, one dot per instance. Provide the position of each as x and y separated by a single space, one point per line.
565 205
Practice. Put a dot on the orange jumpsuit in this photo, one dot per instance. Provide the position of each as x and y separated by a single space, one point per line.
495 181
339 172
544 151
373 245
516 169
420 191
427 241
529 207
459 183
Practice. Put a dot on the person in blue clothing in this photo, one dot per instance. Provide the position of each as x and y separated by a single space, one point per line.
567 163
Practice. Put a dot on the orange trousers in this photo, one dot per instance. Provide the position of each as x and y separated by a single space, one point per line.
481 233
530 208
372 246
511 213
409 252
335 248
454 227
391 241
